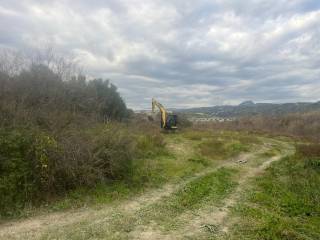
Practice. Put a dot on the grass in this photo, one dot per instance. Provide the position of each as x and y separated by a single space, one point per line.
281 204
284 203
202 191
217 145
100 194
197 135
205 190
180 156
221 149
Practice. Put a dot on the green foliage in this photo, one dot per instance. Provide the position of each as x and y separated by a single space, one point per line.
25 158
113 152
285 203
35 167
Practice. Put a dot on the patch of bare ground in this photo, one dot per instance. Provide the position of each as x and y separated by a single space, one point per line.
33 227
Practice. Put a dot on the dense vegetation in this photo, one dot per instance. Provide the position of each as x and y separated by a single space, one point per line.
39 96
58 134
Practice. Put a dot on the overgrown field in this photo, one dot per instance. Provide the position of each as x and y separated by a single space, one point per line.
102 164
284 203
188 185
75 163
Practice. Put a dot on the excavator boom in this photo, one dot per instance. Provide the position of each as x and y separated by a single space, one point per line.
168 121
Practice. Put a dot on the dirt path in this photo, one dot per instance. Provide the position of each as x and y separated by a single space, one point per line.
213 218
33 228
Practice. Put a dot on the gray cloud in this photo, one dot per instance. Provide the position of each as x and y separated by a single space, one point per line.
185 53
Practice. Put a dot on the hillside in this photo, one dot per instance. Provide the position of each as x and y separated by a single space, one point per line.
250 108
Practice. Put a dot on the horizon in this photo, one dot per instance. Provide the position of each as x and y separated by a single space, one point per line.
277 103
186 54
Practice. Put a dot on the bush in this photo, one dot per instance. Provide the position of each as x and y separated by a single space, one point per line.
36 167
25 159
113 153
59 134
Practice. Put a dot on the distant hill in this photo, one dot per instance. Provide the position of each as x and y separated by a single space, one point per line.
249 108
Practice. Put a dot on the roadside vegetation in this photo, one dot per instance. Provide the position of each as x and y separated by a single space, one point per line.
284 203
60 133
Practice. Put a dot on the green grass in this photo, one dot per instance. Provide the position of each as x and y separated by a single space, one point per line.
100 194
209 188
284 203
205 190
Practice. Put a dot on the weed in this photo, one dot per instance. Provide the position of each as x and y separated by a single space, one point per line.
285 202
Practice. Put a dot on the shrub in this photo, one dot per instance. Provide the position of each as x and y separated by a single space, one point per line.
25 162
113 153
35 167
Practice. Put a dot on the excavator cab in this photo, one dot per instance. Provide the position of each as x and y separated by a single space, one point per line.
168 120
171 121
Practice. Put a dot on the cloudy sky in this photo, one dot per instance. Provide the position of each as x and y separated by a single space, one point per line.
185 53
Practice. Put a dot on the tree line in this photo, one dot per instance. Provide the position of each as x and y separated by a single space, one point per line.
59 131
40 93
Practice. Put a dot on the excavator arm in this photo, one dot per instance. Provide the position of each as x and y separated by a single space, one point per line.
162 111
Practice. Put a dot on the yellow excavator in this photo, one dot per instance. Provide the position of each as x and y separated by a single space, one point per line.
168 120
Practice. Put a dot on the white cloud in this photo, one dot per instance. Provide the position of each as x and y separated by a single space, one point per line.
187 53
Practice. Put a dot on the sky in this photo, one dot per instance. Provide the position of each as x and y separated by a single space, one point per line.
185 53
